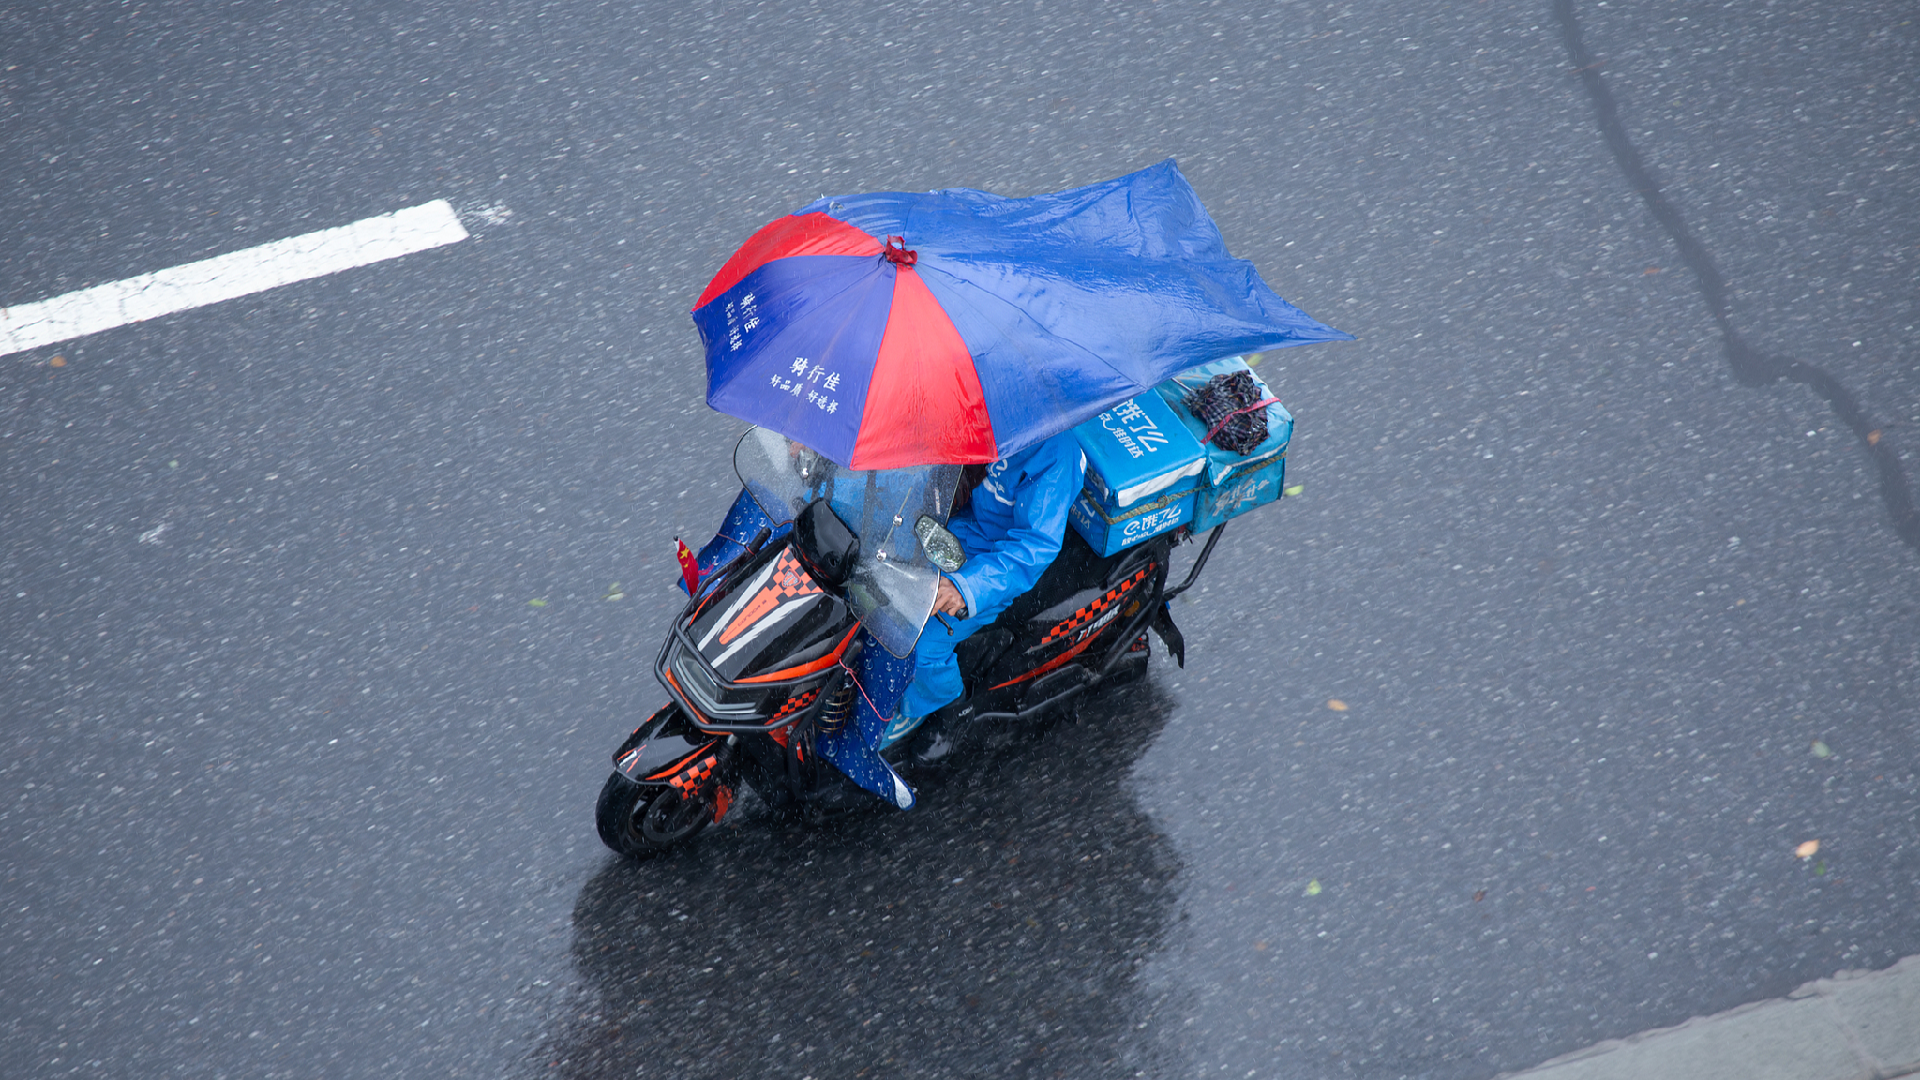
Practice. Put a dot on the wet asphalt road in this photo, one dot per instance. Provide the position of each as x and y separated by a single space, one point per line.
297 782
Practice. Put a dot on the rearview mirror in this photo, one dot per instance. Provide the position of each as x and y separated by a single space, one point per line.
942 547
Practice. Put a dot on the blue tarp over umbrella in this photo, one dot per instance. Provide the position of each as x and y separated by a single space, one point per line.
897 328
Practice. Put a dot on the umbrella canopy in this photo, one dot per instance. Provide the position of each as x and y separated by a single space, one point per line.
898 329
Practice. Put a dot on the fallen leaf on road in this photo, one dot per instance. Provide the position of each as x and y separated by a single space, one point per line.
1649 270
1873 437
61 361
1259 946
536 603
1294 490
1821 749
1313 887
1806 850
1337 705
1479 896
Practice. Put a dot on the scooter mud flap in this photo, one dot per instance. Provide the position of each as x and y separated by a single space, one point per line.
881 679
652 754
1170 635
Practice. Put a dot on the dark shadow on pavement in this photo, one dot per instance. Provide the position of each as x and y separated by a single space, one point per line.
993 931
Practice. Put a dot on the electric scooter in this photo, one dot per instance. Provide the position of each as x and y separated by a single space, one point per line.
798 633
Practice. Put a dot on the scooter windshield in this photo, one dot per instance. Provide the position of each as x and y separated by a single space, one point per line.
893 585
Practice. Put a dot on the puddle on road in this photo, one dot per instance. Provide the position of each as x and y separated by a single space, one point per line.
994 931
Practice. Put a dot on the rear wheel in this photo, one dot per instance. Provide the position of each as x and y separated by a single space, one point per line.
638 821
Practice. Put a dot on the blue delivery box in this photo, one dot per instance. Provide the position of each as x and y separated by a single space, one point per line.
1143 465
1107 533
1255 485
1232 483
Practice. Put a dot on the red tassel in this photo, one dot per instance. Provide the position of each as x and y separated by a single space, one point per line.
689 566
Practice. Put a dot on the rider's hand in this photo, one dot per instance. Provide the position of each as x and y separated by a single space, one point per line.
948 601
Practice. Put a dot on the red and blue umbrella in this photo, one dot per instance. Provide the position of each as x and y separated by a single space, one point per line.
897 329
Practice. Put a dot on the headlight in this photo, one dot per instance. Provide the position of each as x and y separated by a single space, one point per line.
705 694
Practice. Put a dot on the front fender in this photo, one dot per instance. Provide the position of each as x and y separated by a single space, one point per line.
656 749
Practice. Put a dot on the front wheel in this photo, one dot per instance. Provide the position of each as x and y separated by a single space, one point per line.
638 821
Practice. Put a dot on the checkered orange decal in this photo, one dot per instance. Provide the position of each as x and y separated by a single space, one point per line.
1077 624
688 781
1066 627
789 580
794 704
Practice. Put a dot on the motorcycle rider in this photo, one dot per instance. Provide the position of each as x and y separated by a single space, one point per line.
1011 532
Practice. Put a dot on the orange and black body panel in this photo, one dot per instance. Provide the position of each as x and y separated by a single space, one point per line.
661 747
752 653
1088 615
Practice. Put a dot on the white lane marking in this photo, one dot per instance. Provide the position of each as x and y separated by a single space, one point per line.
224 277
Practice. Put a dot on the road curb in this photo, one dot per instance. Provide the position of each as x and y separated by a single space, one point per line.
1857 1025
